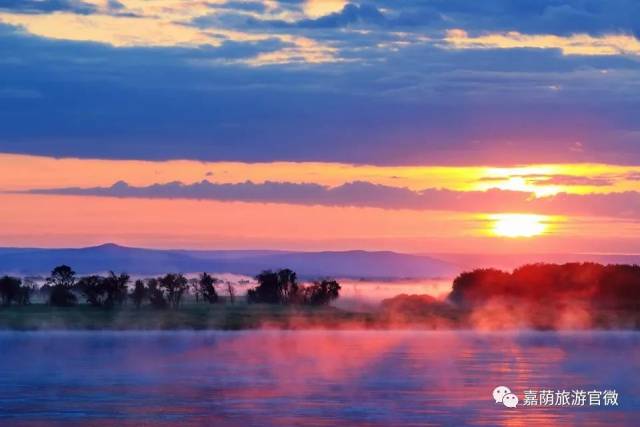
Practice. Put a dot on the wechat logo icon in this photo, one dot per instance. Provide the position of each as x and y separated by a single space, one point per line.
502 394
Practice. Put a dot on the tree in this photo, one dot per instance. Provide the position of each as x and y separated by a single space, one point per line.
62 297
92 289
63 276
232 292
45 292
175 285
139 293
207 289
115 287
280 287
105 292
194 288
479 285
61 281
288 281
613 286
29 287
321 292
156 294
24 295
10 290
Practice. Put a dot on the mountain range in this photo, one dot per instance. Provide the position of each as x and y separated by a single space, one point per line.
351 264
345 264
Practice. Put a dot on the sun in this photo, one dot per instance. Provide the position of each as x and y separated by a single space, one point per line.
519 225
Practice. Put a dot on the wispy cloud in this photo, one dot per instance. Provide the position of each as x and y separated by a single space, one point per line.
48 6
170 24
575 44
375 82
366 194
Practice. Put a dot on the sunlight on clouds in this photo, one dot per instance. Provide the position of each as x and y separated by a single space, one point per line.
164 23
302 50
547 180
522 179
169 9
130 31
317 8
20 172
518 183
116 31
575 44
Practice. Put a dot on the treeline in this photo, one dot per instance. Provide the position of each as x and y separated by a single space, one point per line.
537 296
282 287
63 289
13 292
607 286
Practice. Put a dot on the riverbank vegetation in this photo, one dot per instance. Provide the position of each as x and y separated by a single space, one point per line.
538 296
64 289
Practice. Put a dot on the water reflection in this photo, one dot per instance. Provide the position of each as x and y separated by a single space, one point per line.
309 378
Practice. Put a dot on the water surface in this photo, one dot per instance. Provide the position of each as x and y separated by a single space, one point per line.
310 378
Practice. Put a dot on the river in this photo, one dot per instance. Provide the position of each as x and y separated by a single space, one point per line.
313 378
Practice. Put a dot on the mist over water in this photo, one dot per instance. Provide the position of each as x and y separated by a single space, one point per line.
310 378
366 295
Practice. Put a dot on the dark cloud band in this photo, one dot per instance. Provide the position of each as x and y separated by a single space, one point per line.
366 194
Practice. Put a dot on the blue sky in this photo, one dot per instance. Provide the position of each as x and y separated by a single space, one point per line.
377 82
408 125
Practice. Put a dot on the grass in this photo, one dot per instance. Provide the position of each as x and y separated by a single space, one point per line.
240 316
190 316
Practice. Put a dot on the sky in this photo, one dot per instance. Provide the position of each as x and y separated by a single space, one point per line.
417 126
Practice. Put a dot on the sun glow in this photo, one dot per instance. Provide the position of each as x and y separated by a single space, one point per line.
519 225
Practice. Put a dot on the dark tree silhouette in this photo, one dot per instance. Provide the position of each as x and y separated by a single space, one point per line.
288 285
62 275
28 288
10 290
92 289
62 280
45 292
139 293
174 285
279 287
207 289
156 294
194 288
620 287
470 288
115 287
321 292
231 292
62 297
611 286
105 292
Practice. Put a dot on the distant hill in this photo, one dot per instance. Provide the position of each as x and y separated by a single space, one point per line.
351 264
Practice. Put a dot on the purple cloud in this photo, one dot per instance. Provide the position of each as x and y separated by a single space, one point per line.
366 194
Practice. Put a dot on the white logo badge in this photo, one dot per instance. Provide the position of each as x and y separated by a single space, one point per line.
502 394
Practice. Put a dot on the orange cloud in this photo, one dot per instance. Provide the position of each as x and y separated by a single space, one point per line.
117 31
164 23
302 49
575 44
23 172
317 8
